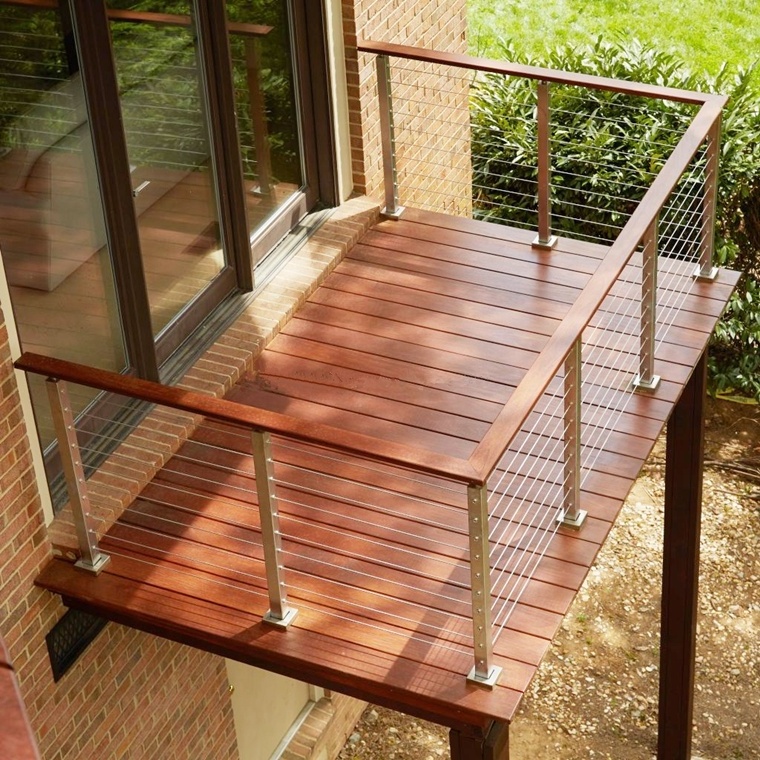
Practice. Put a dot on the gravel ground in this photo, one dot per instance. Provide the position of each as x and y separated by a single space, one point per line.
595 694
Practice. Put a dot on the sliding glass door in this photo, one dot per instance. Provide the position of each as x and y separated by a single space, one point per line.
265 73
161 91
53 242
152 153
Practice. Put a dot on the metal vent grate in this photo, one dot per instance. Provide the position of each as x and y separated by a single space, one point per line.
69 637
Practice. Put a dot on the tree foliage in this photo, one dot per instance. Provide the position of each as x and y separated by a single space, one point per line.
607 148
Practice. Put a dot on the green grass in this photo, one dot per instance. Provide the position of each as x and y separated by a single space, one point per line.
703 33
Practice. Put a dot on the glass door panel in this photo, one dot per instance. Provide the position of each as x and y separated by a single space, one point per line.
162 101
52 236
260 35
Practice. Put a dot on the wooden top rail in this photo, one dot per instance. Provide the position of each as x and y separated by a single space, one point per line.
491 449
536 72
147 17
496 441
251 417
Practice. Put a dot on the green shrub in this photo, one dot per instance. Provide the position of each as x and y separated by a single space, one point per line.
606 150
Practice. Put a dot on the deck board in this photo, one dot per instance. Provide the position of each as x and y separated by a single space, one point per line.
420 336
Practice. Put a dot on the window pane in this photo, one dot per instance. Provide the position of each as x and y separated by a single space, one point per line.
265 95
52 237
162 105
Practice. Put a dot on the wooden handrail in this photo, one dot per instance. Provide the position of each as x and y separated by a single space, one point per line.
255 418
147 17
509 422
491 449
534 72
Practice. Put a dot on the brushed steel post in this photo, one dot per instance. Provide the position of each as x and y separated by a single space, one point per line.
572 514
280 612
483 673
92 559
706 270
544 239
392 208
646 380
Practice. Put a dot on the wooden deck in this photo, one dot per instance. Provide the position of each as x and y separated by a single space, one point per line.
418 338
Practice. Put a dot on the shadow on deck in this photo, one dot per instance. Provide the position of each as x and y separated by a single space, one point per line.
421 349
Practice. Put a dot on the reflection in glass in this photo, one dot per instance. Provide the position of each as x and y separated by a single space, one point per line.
167 135
52 237
265 100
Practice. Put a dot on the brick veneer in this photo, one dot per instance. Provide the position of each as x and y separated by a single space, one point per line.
132 695
439 160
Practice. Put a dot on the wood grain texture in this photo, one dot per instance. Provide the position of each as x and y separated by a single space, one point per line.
419 340
534 72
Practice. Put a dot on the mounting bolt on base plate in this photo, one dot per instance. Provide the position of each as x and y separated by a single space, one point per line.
488 682
284 622
574 522
96 567
544 245
645 385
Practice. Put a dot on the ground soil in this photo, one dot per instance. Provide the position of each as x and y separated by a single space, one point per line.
595 695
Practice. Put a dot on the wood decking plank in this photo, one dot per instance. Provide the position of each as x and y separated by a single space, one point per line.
415 435
372 405
504 335
278 365
420 335
408 283
344 291
342 348
499 232
503 249
532 286
416 344
442 247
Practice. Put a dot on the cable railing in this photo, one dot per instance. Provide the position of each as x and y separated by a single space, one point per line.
417 547
296 494
529 166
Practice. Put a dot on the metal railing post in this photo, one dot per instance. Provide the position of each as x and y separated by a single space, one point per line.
92 559
572 514
706 270
544 239
280 612
392 208
646 380
483 672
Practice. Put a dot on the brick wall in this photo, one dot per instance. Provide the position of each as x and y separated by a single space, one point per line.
130 695
430 103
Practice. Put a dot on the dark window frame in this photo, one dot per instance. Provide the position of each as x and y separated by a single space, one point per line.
90 28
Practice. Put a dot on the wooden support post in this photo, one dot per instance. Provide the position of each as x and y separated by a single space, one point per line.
479 744
680 573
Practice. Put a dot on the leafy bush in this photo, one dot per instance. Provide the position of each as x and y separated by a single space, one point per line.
607 148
